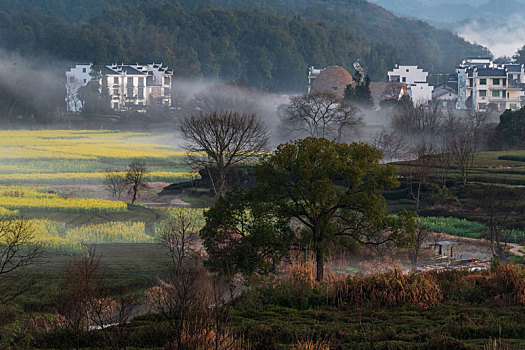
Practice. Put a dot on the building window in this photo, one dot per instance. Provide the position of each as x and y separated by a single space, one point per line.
166 91
495 81
85 80
495 93
167 80
504 93
471 82
141 92
115 80
444 103
513 106
115 92
83 70
482 106
408 70
141 81
130 81
71 80
115 105
483 82
482 93
404 79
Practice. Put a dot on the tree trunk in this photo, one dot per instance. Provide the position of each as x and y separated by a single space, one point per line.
320 264
134 195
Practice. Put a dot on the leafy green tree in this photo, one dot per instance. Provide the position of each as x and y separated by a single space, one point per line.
333 191
244 235
511 128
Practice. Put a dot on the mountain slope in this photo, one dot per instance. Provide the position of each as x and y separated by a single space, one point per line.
266 43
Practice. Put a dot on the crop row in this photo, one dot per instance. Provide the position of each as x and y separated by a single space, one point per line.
91 177
65 239
469 229
37 199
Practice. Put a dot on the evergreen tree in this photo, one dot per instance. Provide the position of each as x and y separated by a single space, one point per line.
360 94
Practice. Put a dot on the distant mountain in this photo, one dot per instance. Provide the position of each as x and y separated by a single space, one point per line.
447 11
498 24
262 42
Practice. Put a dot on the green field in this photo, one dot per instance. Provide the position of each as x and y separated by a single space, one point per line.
501 167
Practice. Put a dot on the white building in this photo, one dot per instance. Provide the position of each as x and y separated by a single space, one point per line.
484 85
130 86
313 73
416 80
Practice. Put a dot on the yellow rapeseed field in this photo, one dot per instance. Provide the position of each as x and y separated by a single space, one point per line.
58 237
34 199
83 156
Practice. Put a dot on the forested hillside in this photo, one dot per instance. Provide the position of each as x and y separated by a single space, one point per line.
264 43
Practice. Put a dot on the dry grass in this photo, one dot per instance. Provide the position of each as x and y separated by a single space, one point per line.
387 289
311 345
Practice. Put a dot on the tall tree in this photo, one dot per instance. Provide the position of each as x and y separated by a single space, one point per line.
333 190
218 141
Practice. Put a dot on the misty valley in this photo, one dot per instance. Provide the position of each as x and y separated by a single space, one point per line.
252 175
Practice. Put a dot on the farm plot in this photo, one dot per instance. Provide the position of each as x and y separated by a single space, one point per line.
83 156
37 199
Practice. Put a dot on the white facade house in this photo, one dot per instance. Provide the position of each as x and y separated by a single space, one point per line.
484 85
416 80
407 74
313 73
130 86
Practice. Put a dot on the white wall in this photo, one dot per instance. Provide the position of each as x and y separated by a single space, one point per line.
76 77
412 74
421 93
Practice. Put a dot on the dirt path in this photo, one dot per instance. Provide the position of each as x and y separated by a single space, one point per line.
515 249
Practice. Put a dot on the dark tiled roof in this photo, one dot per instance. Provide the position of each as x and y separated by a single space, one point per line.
106 70
513 67
131 70
491 72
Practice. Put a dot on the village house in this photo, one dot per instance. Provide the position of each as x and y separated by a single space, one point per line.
445 96
416 80
130 86
484 85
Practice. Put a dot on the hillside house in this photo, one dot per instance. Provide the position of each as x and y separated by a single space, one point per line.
416 80
445 95
484 85
130 86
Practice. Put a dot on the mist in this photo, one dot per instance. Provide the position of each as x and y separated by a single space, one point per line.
502 39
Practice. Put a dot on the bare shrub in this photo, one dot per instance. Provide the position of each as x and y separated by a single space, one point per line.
115 183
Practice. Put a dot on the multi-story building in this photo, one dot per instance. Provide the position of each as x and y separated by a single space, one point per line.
416 80
484 85
130 86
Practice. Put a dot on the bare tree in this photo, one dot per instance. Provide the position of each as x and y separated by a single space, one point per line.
17 250
463 149
421 235
420 170
136 177
115 183
393 145
321 114
418 121
179 234
220 140
82 283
